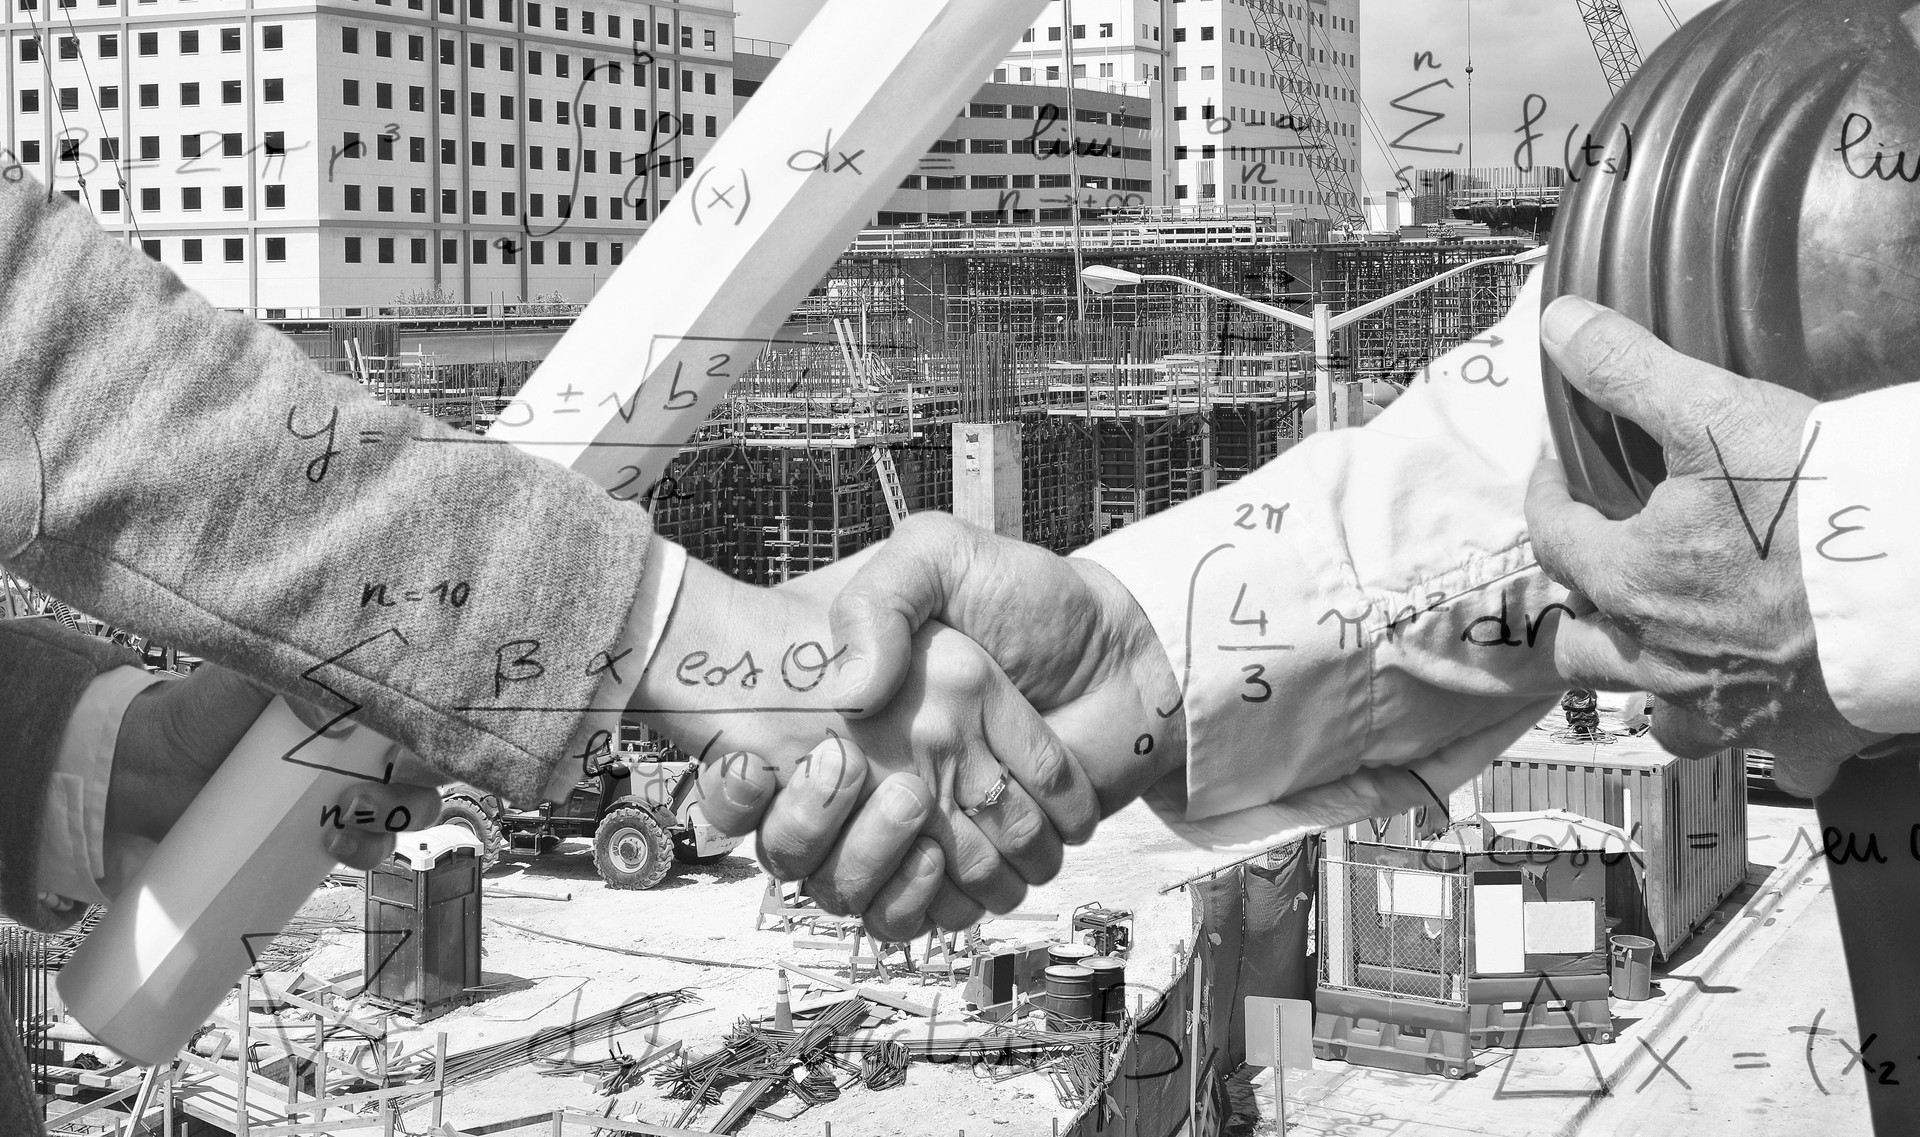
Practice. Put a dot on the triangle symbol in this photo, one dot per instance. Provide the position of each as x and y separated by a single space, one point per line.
1500 1091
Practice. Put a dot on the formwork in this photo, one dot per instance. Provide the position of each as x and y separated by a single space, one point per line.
1689 816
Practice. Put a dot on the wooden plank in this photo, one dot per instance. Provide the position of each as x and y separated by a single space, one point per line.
573 1117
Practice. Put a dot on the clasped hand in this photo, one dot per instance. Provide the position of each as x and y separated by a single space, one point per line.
977 745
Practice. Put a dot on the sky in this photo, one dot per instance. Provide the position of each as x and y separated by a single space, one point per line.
1518 48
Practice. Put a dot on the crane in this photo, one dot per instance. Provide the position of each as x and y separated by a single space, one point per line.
1288 61
1612 38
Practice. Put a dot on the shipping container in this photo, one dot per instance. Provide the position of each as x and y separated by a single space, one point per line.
1690 817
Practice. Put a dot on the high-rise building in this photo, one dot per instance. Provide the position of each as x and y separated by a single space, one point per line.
283 156
1226 129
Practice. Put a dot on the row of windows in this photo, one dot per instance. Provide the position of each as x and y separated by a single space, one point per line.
108 46
1022 181
353 251
506 154
232 92
233 249
565 205
663 32
1054 110
1142 72
231 197
890 219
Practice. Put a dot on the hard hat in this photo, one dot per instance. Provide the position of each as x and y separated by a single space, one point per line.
1752 197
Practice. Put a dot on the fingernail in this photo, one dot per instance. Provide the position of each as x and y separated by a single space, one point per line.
902 804
742 792
1563 318
922 865
854 673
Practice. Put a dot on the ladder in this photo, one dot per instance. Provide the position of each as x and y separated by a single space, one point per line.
890 483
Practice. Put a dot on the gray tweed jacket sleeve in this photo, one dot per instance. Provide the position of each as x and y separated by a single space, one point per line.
188 473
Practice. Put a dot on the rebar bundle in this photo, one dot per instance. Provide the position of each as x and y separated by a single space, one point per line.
640 1011
759 1055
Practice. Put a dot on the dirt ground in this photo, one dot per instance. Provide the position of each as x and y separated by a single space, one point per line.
709 912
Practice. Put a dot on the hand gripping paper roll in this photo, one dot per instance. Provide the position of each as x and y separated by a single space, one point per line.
234 870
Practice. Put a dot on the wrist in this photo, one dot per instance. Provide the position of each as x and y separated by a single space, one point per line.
146 793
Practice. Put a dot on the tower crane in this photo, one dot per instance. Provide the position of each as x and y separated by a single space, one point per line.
1287 58
1612 38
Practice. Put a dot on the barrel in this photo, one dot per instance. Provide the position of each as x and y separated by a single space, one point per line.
1069 997
1632 970
1069 955
1109 988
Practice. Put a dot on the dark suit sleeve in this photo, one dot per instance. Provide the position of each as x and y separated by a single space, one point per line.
44 669
189 473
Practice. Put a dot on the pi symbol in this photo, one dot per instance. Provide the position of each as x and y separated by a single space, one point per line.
721 198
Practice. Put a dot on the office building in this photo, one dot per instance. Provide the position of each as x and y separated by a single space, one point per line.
281 157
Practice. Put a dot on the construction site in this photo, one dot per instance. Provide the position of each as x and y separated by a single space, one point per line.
1124 404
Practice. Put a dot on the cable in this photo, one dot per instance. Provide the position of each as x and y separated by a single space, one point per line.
99 113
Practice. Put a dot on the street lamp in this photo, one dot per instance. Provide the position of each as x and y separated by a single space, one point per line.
1103 279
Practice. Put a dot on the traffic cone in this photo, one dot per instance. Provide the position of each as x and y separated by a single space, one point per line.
782 1009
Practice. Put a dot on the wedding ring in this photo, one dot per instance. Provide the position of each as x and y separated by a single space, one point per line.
994 793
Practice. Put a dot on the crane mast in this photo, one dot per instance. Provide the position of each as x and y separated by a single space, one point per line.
1286 57
1612 38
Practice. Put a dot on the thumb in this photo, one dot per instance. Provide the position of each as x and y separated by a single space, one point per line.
874 617
1627 370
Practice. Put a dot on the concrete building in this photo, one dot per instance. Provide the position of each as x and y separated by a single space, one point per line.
1005 160
288 155
1228 136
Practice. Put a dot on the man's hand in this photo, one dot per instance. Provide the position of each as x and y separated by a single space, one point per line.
1700 596
175 735
1067 634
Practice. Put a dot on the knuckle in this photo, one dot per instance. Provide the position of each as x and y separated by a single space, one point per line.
1027 834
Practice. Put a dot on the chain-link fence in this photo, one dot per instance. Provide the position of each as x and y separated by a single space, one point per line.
1394 931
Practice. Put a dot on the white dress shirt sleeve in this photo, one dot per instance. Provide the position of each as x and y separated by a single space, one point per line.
624 664
74 857
1859 519
1359 626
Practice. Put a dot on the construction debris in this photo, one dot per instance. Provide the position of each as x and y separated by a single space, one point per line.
636 1013
695 960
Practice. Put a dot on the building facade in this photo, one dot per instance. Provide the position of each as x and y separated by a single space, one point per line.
281 156
1005 160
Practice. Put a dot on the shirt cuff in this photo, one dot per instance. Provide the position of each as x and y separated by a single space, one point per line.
1859 525
624 664
73 851
1368 600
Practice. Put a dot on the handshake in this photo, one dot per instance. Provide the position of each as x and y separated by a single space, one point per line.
987 704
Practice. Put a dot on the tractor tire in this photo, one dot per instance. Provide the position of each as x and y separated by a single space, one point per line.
461 810
683 851
631 850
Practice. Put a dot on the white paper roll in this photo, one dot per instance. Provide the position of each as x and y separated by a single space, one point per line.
234 870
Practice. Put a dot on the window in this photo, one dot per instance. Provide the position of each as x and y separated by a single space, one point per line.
276 197
109 47
450 246
476 105
587 114
713 127
350 146
190 250
593 252
533 62
234 248
662 33
349 41
352 250
1053 34
446 102
416 98
69 47
566 252
109 201
562 159
561 112
109 98
536 207
149 94
1079 31
506 203
273 90
1053 74
478 155
446 52
149 44
69 98
559 18
384 247
592 207
506 107
533 15
586 23
480 202
190 146
417 48
537 252
417 200
230 145
417 250
151 248
30 101
1206 73
352 199
1106 70
613 26
476 55
613 209
534 158
665 81
711 83
383 198
1106 31
189 94
1206 33
271 38
1179 113
29 150
506 59
449 201
276 248
711 41
190 197
1179 35
560 62
1026 36
686 36
230 91
614 250
480 246
383 96
29 50
383 44
149 148
987 146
